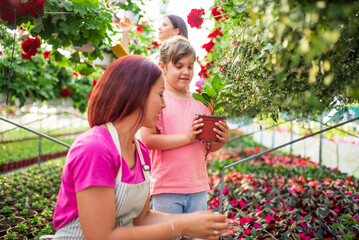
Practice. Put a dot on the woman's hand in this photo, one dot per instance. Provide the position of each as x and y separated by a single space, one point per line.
194 131
205 224
222 131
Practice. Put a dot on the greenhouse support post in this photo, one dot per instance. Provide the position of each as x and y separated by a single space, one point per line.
39 156
321 141
268 151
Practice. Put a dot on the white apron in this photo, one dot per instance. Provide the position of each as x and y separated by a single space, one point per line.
130 198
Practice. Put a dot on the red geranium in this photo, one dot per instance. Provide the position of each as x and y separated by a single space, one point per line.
46 54
89 95
7 10
215 33
194 18
208 46
75 74
25 56
139 29
30 46
156 44
218 12
94 82
34 7
65 92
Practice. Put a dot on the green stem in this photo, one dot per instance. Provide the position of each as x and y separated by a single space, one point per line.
58 12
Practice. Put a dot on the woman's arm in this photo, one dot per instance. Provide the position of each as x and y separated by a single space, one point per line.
97 208
156 141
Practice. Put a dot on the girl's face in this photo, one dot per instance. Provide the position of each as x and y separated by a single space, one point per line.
179 76
166 30
155 103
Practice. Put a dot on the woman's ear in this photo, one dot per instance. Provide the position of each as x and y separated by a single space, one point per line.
162 66
176 31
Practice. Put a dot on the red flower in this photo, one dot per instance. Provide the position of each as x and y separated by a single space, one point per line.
208 46
25 56
30 46
215 33
0 53
7 10
116 21
65 92
75 74
269 218
94 82
218 12
139 29
199 90
247 231
88 95
156 44
34 7
46 54
148 48
194 18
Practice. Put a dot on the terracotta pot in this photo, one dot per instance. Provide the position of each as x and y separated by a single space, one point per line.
207 133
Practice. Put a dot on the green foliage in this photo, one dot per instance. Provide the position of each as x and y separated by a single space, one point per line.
292 57
214 93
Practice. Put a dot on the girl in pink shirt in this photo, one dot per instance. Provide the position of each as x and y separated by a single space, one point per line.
178 160
104 191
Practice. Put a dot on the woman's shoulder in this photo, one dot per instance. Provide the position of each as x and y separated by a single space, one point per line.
94 139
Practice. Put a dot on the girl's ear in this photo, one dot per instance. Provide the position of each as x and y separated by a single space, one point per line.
162 66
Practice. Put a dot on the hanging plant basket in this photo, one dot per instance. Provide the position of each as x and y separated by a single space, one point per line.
207 133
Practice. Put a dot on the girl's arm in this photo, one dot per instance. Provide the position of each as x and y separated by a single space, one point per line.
156 141
97 209
222 135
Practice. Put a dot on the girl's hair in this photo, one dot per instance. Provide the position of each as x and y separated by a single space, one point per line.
179 23
123 88
175 48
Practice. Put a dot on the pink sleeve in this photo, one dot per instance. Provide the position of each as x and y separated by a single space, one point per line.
92 164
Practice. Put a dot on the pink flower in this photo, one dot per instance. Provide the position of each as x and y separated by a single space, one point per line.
269 218
256 225
303 224
200 83
194 18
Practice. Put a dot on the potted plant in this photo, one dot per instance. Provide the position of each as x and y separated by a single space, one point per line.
212 93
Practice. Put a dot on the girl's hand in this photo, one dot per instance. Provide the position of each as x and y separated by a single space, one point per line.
223 132
194 131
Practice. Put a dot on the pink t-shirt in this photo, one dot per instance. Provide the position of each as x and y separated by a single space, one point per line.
183 169
93 160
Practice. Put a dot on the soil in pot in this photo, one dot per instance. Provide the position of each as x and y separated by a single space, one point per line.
207 133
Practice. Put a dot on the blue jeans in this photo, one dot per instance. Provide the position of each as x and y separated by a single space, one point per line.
180 203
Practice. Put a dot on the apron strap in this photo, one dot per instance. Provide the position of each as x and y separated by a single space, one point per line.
145 168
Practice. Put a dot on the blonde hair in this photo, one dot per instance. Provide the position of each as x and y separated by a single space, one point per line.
175 48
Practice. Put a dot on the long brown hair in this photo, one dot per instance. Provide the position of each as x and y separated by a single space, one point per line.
123 88
179 23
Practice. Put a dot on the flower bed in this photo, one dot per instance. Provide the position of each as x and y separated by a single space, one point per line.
30 195
286 197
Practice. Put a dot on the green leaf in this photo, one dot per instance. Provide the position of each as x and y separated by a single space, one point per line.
211 92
